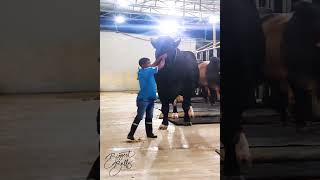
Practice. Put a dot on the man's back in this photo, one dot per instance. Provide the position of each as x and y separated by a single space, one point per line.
147 83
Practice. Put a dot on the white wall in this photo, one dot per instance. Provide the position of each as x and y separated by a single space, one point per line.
49 46
119 59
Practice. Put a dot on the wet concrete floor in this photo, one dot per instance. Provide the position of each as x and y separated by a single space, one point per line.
178 153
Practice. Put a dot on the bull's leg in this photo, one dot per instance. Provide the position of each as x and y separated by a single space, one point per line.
280 101
230 124
186 105
303 106
213 96
233 138
175 114
204 94
165 112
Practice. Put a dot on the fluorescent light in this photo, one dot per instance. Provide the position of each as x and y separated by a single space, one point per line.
168 27
214 19
119 19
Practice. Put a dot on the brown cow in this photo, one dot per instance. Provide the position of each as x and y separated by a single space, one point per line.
291 58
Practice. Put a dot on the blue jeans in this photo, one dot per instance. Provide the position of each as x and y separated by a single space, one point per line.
145 107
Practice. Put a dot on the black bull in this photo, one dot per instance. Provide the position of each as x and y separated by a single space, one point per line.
178 77
243 54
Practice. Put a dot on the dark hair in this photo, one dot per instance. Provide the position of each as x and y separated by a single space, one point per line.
143 61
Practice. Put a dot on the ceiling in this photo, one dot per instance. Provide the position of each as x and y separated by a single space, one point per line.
200 9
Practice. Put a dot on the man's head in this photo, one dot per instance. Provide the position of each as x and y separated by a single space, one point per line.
144 62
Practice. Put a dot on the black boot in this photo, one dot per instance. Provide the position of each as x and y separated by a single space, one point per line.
149 130
133 129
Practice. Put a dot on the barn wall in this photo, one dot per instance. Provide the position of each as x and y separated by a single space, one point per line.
51 49
119 59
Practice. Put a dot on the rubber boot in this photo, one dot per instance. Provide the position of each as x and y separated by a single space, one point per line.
149 130
133 129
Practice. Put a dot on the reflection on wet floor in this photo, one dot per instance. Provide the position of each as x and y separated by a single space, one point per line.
178 153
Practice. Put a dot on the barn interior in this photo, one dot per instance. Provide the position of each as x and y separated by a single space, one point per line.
126 29
279 151
49 84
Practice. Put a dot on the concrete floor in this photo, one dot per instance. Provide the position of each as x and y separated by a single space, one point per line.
178 153
51 137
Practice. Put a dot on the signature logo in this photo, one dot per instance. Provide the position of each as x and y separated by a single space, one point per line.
115 162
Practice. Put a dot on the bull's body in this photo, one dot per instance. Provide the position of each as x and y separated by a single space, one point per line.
178 77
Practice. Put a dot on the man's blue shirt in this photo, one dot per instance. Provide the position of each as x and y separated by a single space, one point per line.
147 83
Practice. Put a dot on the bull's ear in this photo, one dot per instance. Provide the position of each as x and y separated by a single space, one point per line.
177 42
154 43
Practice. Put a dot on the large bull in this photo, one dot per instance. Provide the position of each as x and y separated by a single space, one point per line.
178 77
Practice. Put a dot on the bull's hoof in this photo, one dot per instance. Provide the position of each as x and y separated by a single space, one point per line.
242 151
175 115
163 127
188 123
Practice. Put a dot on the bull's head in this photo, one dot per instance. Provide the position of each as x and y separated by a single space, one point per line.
165 44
